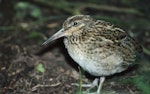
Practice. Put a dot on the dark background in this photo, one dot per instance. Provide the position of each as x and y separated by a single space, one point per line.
28 68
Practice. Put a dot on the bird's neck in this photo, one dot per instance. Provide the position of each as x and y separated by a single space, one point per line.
72 40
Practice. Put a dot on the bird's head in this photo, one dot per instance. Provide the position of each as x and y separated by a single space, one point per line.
71 26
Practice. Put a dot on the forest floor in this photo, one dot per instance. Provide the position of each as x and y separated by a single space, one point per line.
28 68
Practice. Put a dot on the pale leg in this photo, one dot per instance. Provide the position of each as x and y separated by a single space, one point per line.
91 85
102 79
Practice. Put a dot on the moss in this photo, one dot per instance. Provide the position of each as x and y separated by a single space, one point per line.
141 82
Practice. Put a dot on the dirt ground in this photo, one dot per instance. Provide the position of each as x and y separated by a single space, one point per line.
28 68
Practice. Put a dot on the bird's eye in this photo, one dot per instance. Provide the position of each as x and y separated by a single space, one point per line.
75 23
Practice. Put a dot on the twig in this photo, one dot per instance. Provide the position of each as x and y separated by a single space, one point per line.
130 90
39 86
78 7
8 38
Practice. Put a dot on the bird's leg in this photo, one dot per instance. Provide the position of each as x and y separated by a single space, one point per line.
102 79
91 85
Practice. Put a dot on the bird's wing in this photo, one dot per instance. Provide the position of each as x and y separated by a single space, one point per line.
112 39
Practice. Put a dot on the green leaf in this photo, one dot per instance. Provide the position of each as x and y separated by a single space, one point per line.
145 50
40 68
35 34
36 13
22 5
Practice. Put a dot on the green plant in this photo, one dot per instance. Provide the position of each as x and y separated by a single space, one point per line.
24 9
35 34
40 68
141 82
81 72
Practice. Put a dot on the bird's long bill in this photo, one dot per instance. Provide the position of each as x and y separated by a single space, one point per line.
57 35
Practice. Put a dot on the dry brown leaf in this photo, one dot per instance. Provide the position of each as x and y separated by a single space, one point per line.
52 25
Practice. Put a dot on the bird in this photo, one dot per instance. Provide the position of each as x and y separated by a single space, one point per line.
99 47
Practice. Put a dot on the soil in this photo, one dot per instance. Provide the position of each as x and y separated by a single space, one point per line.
21 54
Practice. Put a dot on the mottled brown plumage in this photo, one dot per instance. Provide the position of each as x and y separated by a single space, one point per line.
99 47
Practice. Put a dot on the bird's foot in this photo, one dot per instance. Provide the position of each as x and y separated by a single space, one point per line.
102 79
91 85
86 92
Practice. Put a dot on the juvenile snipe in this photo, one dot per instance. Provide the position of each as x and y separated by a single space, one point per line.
97 46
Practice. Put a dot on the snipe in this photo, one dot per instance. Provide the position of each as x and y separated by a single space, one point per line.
97 46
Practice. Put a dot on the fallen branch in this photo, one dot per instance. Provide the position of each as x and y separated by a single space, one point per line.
39 86
78 7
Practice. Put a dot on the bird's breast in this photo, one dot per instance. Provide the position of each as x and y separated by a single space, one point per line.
97 64
74 50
